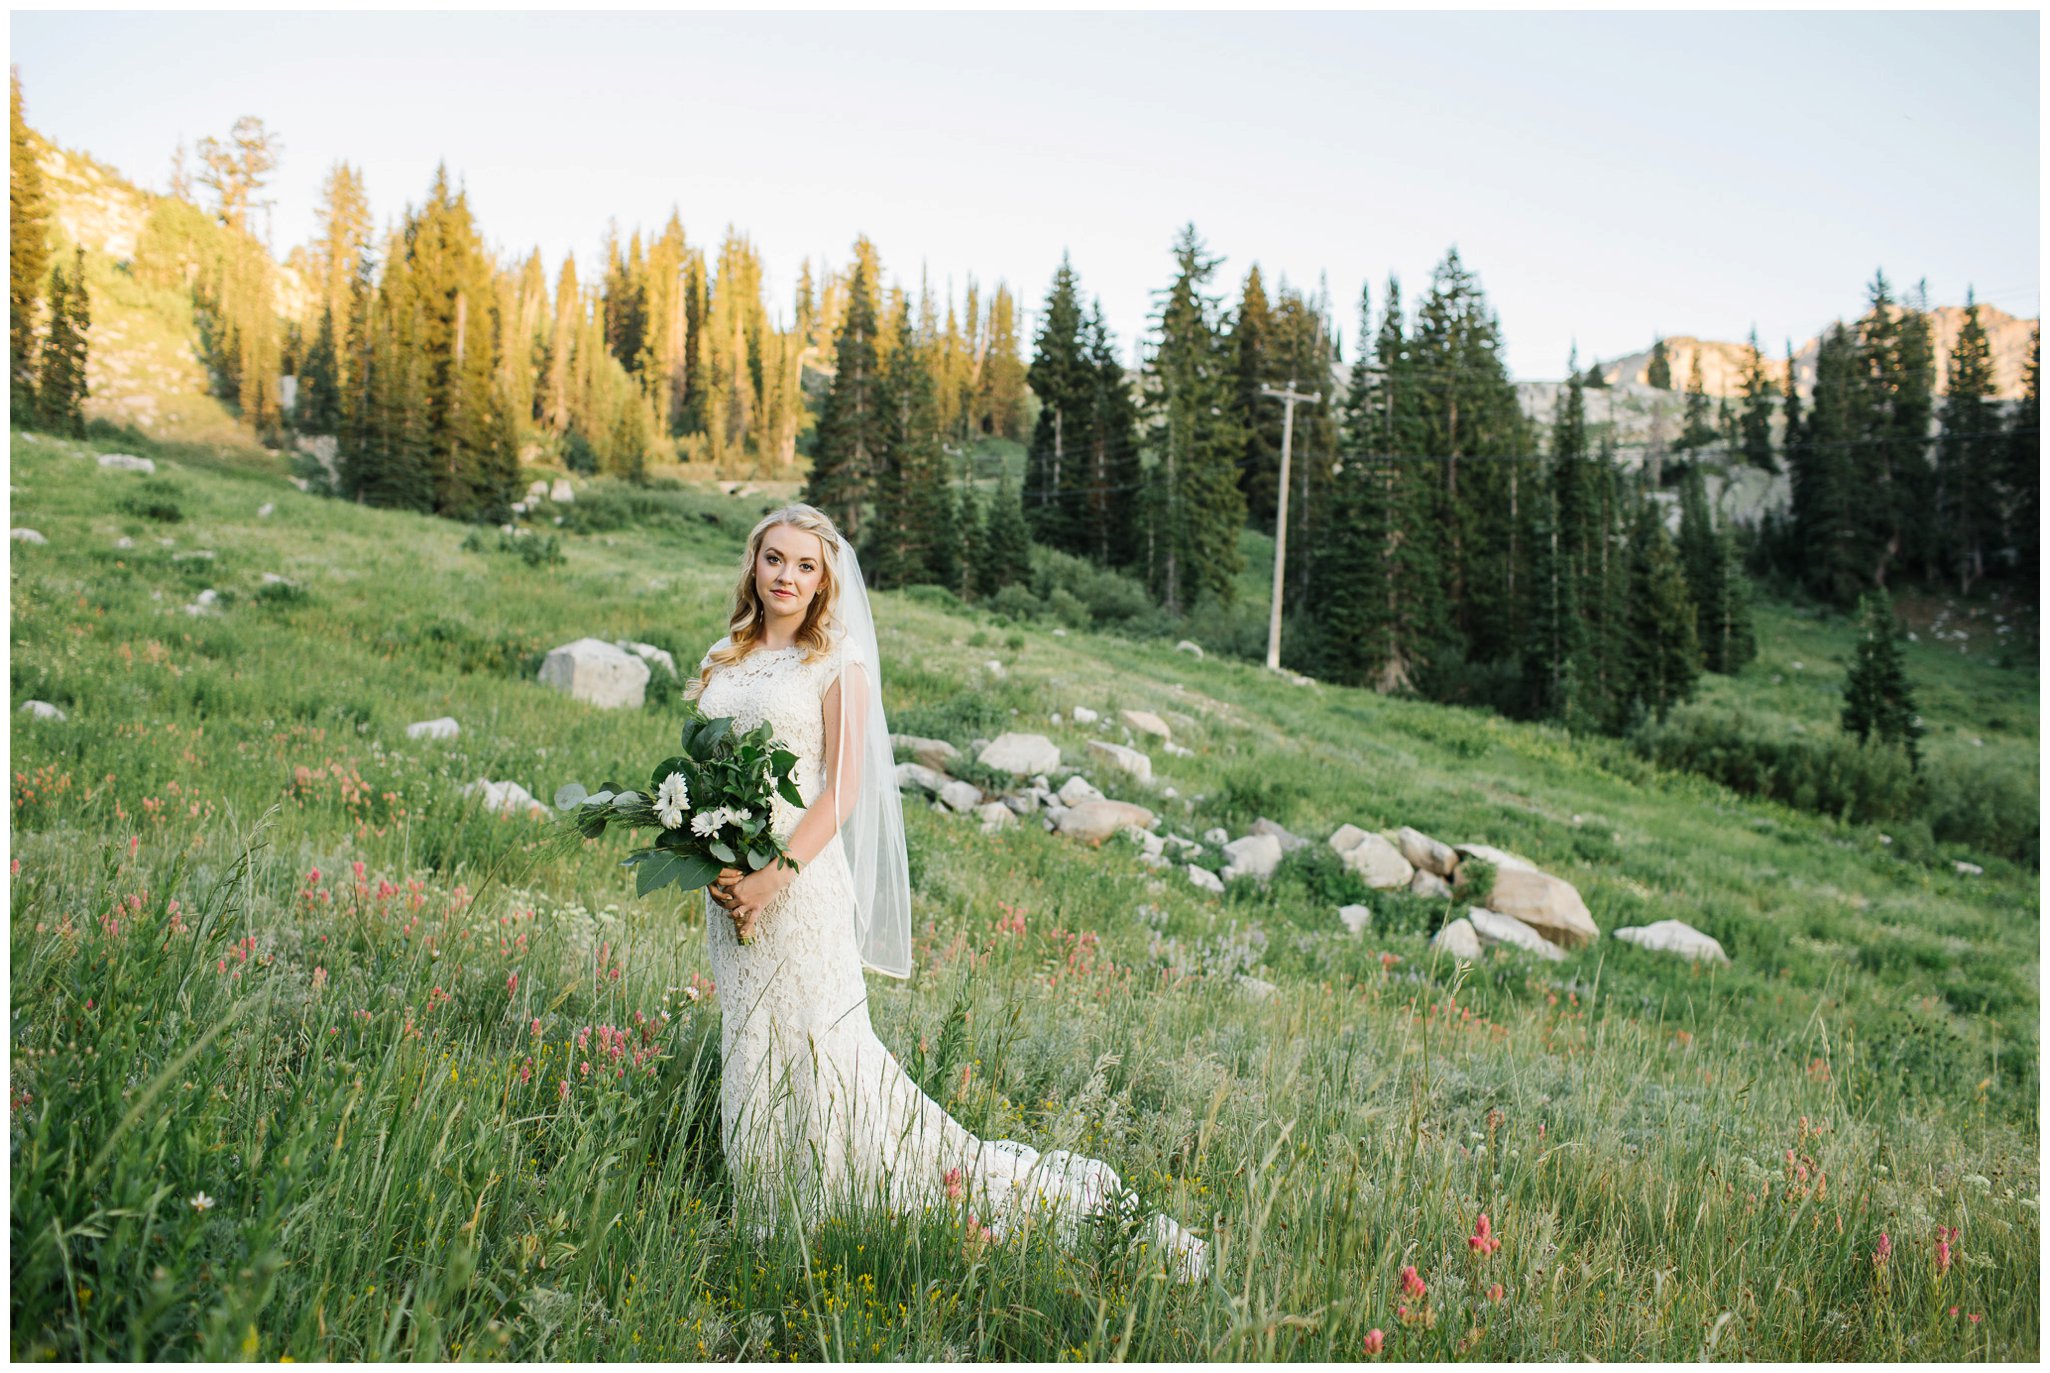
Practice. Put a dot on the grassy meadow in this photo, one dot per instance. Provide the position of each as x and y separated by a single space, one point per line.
313 1057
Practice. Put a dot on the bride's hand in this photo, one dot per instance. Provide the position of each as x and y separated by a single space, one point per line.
745 894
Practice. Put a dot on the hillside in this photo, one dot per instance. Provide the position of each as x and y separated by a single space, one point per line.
267 953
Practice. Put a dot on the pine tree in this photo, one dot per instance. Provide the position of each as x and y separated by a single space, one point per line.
60 389
1659 372
318 409
851 425
1056 484
1000 394
1739 641
913 503
341 236
1197 509
1112 464
1697 431
1664 651
1826 489
1701 553
1790 406
2022 478
1553 651
1969 452
1252 348
1754 421
1005 555
1879 707
28 220
970 524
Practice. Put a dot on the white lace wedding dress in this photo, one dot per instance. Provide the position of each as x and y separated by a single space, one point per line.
814 1112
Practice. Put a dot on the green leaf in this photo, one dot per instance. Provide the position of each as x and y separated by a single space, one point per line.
596 798
711 736
758 859
788 791
659 870
783 760
721 852
569 794
664 768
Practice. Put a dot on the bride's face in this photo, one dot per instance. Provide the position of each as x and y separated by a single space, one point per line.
788 570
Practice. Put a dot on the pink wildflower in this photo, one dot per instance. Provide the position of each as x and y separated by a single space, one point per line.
1482 1241
1883 1252
1495 1292
1974 1318
562 1090
954 1184
512 982
319 978
1412 1285
1373 1342
313 878
1943 1256
535 1028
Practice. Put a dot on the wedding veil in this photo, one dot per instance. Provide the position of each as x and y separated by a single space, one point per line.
872 828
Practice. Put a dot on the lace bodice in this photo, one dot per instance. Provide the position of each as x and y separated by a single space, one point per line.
778 685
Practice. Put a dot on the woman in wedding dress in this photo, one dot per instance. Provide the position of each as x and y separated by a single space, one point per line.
815 1114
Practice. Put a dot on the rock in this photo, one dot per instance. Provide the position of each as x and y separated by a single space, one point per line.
1021 755
1148 841
1458 940
648 654
124 542
1077 791
505 796
1497 857
1300 680
266 510
1217 834
1256 855
1189 646
205 603
1255 988
42 710
537 491
560 492
1206 879
195 555
995 816
126 462
1177 751
960 797
995 668
1289 842
1156 860
1428 884
443 728
1084 715
598 673
1494 928
920 776
1356 919
934 753
1092 822
1129 759
1379 863
1425 852
1346 838
1022 802
1964 870
1674 936
1146 722
26 536
1547 904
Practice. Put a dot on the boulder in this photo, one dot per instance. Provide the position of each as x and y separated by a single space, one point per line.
1674 936
126 462
505 796
1175 750
1189 646
1256 855
648 654
443 728
1021 755
1217 834
1425 852
1156 860
995 668
1129 759
1494 928
1547 904
598 673
920 776
1084 715
266 510
560 492
1379 863
204 603
1346 838
1500 859
42 710
1458 940
995 816
1022 802
1289 842
124 542
961 797
1146 722
1092 822
1429 885
1077 790
934 753
1206 879
1963 868
537 491
26 536
1357 919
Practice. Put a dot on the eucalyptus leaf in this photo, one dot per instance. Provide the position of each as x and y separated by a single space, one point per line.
722 852
598 798
569 794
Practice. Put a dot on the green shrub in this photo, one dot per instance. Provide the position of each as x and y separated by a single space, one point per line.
155 500
1016 602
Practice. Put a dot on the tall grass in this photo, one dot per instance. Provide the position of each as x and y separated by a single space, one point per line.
312 1056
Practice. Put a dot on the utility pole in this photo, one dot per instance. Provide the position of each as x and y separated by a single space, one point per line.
1288 397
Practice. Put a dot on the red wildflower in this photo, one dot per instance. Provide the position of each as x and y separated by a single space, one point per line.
1883 1252
1495 1292
1373 1342
1482 1241
1412 1285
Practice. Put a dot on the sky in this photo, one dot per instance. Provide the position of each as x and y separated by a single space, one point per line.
1609 176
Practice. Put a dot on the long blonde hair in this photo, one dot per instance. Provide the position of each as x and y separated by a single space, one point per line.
745 626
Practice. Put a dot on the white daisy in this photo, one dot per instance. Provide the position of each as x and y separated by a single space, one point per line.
671 817
703 823
673 794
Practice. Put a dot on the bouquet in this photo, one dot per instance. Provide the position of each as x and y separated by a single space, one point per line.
710 806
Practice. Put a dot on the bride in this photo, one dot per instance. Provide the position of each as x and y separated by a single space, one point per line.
814 1112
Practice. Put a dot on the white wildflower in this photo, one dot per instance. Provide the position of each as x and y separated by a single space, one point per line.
202 1202
672 795
671 817
703 823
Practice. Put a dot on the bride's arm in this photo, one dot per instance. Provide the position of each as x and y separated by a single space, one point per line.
843 773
